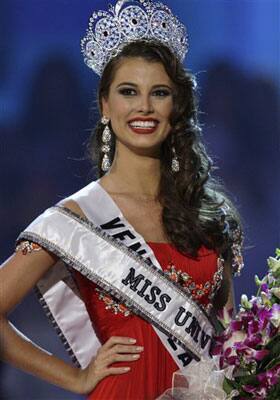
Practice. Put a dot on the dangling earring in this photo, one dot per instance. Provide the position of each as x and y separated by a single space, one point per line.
175 166
106 138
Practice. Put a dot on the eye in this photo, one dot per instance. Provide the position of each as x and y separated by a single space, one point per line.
127 91
161 93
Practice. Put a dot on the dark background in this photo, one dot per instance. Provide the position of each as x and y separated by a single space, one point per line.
47 107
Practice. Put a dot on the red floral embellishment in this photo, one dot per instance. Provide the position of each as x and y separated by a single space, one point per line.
112 304
198 290
27 247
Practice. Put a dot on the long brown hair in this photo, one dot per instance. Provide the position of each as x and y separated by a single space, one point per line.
195 211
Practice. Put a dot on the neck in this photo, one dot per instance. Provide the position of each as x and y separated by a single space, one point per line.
133 173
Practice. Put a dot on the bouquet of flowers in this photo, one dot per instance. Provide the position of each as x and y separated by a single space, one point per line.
250 343
246 357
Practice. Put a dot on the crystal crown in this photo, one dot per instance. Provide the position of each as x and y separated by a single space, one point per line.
128 21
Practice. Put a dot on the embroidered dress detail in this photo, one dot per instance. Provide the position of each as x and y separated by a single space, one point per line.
198 290
26 246
112 304
185 280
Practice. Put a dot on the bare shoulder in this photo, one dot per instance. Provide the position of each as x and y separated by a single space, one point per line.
73 206
29 263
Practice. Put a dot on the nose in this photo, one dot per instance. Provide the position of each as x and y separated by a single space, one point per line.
145 104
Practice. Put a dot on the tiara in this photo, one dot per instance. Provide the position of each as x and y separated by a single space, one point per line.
129 21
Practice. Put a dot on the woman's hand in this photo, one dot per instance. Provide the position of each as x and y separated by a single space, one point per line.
116 349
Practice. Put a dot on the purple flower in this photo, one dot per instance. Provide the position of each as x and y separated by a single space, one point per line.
271 330
253 340
236 325
255 307
266 381
253 327
259 393
264 287
233 360
268 378
249 388
259 354
264 315
248 353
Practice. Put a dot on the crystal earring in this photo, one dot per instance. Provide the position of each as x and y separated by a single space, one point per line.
106 138
175 166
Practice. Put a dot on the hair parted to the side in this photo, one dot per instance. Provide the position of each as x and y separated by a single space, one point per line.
193 202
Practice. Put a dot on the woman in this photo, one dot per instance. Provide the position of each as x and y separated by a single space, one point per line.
150 246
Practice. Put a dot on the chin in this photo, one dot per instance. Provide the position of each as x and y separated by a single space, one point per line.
142 143
145 148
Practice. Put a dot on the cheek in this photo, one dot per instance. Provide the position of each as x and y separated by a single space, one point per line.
120 108
167 109
119 114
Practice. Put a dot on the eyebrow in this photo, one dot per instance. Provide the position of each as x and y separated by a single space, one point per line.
134 84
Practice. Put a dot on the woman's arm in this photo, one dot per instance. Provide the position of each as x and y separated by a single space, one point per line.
230 304
225 295
18 275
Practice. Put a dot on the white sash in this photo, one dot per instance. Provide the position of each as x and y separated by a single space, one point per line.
112 262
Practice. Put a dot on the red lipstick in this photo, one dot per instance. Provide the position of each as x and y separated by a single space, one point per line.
142 125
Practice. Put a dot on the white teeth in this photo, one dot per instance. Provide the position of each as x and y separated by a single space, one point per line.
143 124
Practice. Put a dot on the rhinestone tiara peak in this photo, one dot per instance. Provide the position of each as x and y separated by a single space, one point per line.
129 21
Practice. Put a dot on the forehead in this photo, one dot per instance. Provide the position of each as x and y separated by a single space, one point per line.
141 72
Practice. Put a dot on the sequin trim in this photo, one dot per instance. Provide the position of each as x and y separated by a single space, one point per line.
59 332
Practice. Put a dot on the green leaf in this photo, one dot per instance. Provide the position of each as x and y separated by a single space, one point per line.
274 393
227 386
245 395
233 384
273 342
274 351
272 363
242 371
219 327
248 380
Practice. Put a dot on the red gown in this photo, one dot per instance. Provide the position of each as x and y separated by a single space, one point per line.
150 375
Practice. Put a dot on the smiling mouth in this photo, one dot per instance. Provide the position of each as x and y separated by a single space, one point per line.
144 127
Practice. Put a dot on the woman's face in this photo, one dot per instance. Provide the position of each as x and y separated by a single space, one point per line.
139 105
